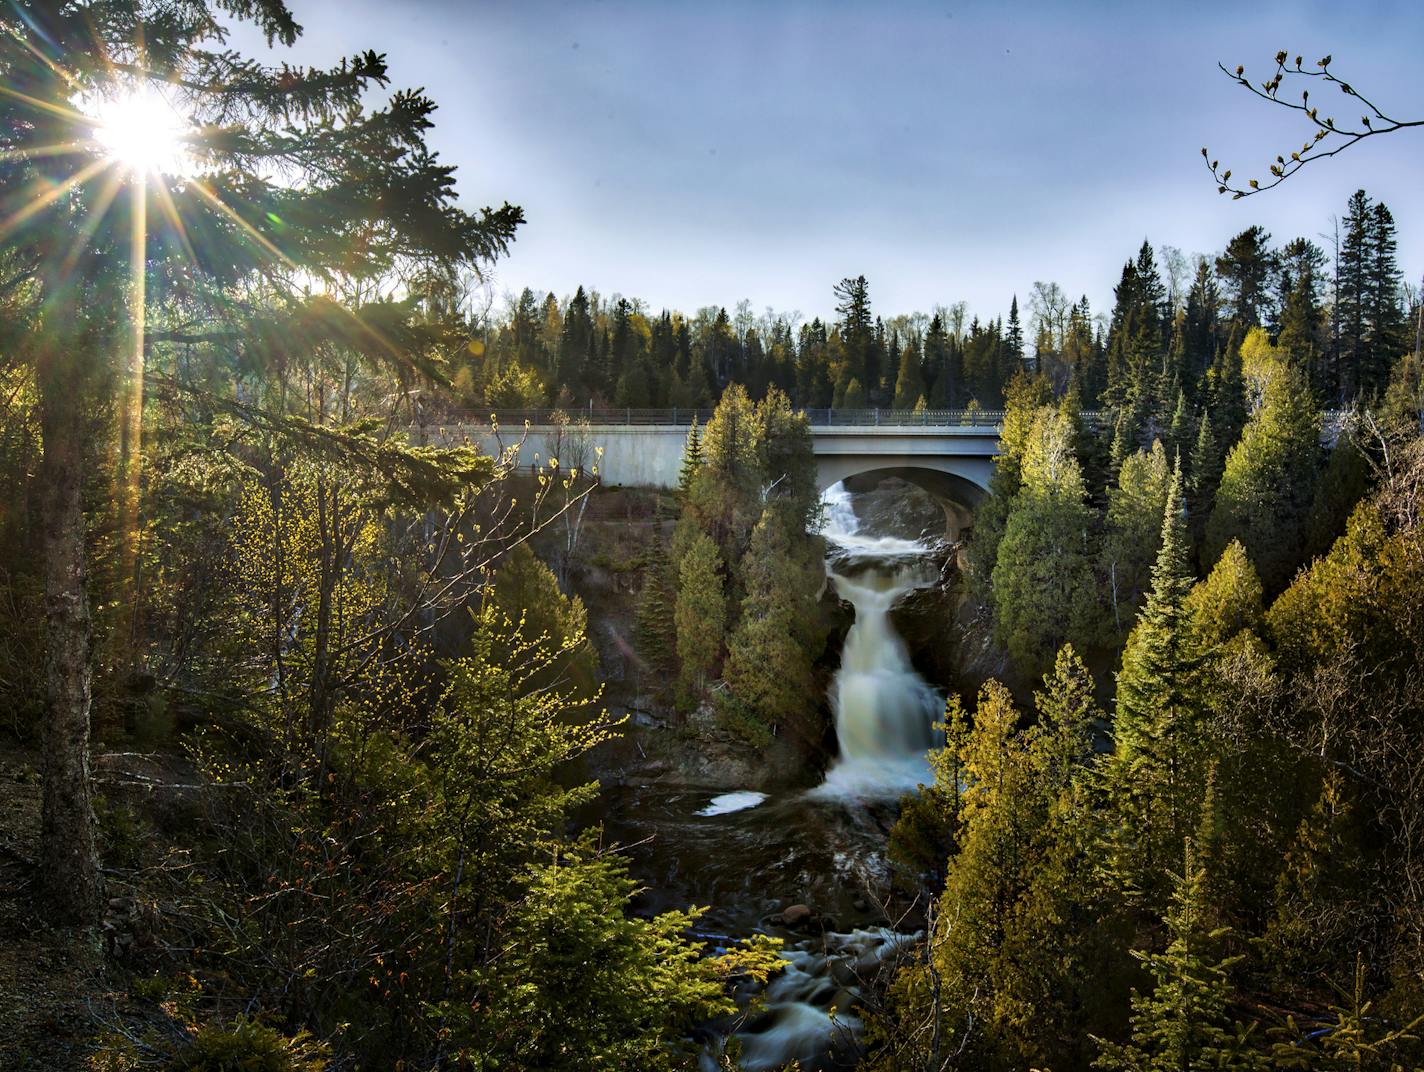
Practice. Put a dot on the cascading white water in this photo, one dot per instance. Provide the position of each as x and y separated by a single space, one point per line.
884 710
884 714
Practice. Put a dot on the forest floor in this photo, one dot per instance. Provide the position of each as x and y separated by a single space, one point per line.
53 980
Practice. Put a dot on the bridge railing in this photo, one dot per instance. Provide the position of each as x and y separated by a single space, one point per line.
681 417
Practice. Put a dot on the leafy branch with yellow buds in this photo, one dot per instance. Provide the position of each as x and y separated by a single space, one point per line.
1318 146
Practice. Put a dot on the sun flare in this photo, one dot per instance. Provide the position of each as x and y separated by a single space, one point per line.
142 131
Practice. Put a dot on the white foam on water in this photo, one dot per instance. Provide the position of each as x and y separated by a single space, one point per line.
884 711
730 802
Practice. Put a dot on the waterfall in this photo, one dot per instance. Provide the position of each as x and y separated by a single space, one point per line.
884 711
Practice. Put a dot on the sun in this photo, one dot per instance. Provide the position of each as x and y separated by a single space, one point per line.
139 129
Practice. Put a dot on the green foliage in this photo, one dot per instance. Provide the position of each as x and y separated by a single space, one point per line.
1155 776
248 1046
1134 530
656 615
691 461
1353 1039
700 616
1316 911
1021 908
638 984
1227 602
1346 480
1349 600
1269 480
1183 1023
1044 588
779 634
526 593
1023 399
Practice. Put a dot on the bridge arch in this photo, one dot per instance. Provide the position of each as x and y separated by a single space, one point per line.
957 494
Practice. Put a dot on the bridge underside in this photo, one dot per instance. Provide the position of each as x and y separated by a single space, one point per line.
955 483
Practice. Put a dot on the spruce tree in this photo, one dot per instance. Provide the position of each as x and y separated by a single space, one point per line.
1353 296
1014 338
1152 776
1026 395
1385 328
1246 267
1183 1024
1269 481
700 617
293 177
1204 469
1201 327
691 461
1301 313
1134 530
777 640
1180 433
1226 392
655 624
1044 591
1227 602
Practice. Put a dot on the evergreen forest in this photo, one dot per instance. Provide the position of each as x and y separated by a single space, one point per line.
332 741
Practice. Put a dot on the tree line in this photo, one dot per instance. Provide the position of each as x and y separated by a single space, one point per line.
1343 316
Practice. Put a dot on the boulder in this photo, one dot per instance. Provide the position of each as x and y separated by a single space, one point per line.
797 915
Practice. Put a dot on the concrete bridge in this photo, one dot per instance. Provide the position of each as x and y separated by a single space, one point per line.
950 453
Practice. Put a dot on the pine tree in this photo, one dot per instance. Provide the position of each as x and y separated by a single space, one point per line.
1134 530
1183 1024
909 381
858 332
1269 480
655 624
691 461
72 214
1246 267
777 640
700 616
1043 586
1153 775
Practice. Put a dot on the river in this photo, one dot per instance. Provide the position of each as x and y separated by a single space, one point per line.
749 856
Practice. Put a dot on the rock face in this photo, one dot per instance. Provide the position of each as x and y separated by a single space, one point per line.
705 755
895 507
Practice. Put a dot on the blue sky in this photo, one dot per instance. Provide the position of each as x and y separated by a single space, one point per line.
695 154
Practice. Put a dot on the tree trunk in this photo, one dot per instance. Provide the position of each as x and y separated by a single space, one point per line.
70 856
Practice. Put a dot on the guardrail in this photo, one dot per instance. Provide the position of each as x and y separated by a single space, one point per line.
679 417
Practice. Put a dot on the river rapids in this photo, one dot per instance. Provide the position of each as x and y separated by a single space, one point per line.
748 855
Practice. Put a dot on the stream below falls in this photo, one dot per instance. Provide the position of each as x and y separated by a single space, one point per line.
748 856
